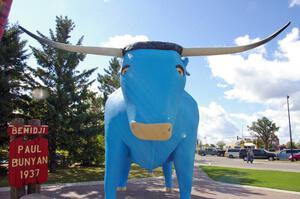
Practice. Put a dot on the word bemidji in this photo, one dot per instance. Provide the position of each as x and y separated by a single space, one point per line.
28 129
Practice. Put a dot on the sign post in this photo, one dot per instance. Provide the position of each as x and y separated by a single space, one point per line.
28 156
35 188
16 192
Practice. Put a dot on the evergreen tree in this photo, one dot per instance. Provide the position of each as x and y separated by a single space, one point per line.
67 103
110 81
87 147
15 79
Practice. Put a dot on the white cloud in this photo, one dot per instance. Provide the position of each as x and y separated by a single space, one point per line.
294 3
120 41
215 124
242 116
222 85
254 78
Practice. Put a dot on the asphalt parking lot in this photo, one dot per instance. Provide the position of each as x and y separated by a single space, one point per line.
240 163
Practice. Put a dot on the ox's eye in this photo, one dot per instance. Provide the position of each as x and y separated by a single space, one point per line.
180 69
124 69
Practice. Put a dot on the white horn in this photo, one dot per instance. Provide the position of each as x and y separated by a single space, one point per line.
229 50
117 52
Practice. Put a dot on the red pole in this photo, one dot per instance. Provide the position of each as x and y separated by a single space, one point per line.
4 12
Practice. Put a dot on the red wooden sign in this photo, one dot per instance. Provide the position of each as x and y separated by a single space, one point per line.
27 130
28 161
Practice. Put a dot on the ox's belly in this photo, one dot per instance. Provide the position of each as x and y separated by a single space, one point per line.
151 154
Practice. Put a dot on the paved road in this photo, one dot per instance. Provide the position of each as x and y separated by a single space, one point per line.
258 164
153 188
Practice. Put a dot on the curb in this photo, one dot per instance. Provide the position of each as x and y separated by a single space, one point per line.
240 167
262 188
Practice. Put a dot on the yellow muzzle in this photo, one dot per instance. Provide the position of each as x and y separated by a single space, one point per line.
160 131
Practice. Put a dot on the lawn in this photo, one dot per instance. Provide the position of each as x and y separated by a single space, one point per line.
261 178
82 174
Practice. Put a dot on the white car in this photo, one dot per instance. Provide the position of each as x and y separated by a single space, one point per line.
232 153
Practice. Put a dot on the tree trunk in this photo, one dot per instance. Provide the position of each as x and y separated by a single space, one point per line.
266 143
52 156
52 151
52 163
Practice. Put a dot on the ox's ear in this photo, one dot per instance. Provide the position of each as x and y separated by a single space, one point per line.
185 61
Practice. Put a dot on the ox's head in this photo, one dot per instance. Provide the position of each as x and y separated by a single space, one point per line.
152 79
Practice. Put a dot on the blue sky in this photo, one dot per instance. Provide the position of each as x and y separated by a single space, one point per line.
231 90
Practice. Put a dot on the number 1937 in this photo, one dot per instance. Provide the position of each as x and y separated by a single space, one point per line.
32 173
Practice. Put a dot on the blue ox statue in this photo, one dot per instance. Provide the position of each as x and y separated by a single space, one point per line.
151 120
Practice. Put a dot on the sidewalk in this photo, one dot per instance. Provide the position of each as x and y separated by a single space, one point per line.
203 188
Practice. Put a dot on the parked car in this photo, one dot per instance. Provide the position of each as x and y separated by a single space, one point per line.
208 151
295 157
220 152
258 154
232 153
285 153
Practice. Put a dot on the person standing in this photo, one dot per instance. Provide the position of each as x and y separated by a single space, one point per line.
250 155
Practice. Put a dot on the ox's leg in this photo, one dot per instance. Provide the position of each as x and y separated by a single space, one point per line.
184 165
122 186
116 156
167 169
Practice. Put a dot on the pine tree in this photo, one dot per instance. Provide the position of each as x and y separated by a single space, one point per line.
88 146
67 104
110 81
15 79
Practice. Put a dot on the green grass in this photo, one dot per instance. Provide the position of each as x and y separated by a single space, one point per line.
82 174
261 178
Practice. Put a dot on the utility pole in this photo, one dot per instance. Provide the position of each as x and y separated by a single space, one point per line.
291 139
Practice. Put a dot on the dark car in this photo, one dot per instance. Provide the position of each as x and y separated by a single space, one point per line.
208 151
220 152
295 157
258 154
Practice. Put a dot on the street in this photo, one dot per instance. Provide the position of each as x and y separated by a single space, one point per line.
257 164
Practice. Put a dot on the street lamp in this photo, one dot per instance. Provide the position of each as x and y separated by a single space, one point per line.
291 140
